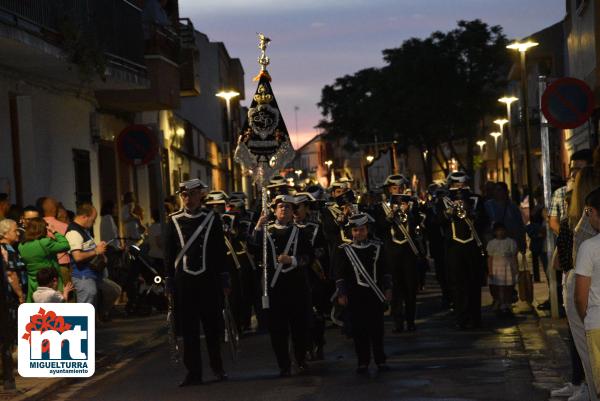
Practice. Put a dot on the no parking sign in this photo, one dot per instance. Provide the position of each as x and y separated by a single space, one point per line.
568 103
137 145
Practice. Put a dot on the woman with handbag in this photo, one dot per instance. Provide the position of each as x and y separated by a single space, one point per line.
39 251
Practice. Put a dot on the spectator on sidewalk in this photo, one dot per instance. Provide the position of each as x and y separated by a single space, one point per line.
39 251
586 180
50 211
502 269
108 228
587 285
29 213
501 209
12 294
15 268
536 230
86 255
64 215
47 291
8 328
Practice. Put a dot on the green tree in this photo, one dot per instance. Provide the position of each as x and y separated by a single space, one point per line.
431 91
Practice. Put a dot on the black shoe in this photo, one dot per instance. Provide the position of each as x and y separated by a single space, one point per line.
191 380
221 376
411 326
302 367
361 370
399 328
383 368
285 372
319 355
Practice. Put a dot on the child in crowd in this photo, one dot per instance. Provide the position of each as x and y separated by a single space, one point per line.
47 284
502 269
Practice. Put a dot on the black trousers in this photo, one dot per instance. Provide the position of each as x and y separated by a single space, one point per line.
248 294
366 315
465 273
321 292
403 262
288 315
441 275
577 372
198 301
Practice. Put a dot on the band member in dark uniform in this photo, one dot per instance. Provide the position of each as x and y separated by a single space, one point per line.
404 251
434 235
364 285
250 274
393 185
335 216
321 286
288 257
195 257
464 256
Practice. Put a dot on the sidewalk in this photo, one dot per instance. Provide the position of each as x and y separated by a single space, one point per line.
116 340
546 342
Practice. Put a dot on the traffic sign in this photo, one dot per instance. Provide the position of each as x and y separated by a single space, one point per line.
137 145
568 103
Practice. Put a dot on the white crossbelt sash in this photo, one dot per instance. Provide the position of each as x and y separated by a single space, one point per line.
360 270
292 241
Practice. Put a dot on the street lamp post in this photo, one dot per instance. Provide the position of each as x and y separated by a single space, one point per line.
298 173
369 159
481 143
328 163
496 135
522 48
501 122
228 95
508 100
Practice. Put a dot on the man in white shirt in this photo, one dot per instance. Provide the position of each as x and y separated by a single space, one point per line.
587 284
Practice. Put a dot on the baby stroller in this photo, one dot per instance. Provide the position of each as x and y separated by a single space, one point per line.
146 286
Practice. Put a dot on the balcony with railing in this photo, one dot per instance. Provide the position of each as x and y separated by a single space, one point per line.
130 61
100 39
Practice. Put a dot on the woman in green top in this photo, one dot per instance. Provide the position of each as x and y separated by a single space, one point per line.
39 251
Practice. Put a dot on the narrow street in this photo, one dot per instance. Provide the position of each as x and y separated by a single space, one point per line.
437 362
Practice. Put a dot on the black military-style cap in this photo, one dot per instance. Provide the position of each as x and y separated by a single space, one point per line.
191 184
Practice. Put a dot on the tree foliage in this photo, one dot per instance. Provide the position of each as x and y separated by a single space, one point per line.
430 91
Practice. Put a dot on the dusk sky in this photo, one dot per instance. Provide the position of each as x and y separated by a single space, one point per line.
316 41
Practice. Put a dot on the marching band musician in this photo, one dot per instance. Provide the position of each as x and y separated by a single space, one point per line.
404 251
434 235
321 286
235 260
249 274
289 255
464 251
364 285
394 184
335 216
216 200
195 255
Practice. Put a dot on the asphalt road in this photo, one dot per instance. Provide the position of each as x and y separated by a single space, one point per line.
437 362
